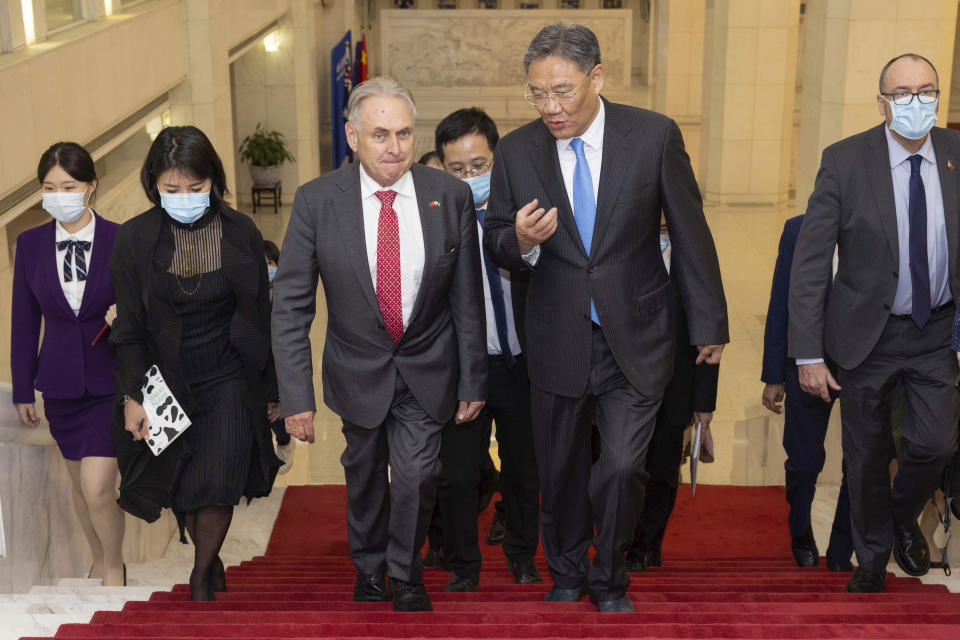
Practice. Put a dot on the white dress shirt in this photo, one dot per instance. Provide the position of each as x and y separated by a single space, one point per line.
937 252
412 253
73 290
592 150
493 337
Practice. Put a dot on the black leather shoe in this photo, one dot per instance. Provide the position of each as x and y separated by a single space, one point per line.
462 584
410 597
838 566
370 587
556 594
524 571
654 559
805 549
497 530
435 558
620 605
635 564
910 549
864 581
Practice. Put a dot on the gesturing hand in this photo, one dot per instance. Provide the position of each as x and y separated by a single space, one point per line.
816 380
300 426
534 225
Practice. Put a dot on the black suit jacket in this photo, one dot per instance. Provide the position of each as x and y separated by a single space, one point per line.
853 207
148 331
645 169
442 354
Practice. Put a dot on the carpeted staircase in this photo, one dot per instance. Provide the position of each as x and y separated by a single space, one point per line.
303 588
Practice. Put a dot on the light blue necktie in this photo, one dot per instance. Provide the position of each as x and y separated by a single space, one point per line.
584 204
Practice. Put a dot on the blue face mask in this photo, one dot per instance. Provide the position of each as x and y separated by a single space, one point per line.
271 272
185 207
914 120
664 242
480 185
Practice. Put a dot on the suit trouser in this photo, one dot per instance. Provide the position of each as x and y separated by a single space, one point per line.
922 361
462 451
663 466
805 421
387 521
613 487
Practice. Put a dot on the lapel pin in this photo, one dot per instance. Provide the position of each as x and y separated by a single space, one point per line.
950 165
437 204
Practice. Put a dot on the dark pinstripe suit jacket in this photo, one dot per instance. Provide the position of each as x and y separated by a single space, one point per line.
645 169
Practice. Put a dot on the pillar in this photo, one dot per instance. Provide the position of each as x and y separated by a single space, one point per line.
748 100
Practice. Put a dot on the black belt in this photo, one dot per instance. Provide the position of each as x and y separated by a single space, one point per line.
909 316
499 359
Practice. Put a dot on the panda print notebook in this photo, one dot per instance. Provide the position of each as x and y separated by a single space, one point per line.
165 417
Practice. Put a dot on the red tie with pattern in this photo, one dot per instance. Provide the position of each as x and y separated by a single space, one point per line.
388 266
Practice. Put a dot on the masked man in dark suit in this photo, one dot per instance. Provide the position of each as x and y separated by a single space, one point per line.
887 199
599 325
396 247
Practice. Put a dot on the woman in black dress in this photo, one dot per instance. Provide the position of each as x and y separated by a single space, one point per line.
193 299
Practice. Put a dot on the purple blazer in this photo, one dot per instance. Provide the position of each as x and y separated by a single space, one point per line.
67 366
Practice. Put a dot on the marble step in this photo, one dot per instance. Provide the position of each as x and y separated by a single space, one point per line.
130 593
15 625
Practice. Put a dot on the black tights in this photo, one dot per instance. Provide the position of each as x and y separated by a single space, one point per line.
207 527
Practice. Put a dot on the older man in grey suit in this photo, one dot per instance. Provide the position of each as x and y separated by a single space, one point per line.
887 199
396 247
598 326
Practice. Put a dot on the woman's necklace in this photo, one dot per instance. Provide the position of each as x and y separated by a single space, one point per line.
189 255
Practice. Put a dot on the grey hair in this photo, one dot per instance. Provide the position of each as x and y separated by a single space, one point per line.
574 42
912 56
376 86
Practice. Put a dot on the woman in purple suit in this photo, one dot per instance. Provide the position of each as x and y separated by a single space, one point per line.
62 278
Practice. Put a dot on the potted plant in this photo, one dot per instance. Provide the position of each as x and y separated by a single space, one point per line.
265 151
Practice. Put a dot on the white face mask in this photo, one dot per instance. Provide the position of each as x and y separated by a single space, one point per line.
65 206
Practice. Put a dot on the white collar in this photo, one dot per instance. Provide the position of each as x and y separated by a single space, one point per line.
899 155
84 235
403 186
593 136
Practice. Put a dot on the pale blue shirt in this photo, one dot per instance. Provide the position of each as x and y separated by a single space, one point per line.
493 337
937 252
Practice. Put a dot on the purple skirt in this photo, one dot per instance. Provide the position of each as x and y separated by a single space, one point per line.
81 426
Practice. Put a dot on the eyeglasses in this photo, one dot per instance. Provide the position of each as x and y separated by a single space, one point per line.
540 99
902 98
469 172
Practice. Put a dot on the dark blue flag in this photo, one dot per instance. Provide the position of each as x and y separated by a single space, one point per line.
341 69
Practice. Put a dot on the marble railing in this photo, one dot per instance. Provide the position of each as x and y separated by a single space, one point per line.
43 537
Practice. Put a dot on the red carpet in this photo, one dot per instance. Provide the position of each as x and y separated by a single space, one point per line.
727 573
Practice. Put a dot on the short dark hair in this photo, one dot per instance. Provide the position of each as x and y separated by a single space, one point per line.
69 156
574 42
428 156
911 56
272 251
463 122
187 150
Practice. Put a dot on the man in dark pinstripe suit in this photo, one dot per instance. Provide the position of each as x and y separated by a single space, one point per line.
599 322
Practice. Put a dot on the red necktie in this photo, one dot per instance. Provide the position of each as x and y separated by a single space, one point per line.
388 266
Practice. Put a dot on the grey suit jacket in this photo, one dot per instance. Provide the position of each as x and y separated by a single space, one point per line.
644 170
853 207
442 354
